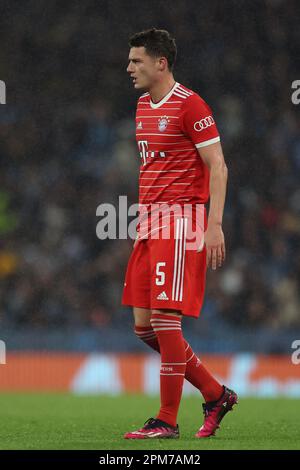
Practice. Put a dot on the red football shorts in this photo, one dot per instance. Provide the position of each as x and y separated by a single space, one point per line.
163 273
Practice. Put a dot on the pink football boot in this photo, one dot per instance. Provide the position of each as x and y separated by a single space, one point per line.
214 412
154 428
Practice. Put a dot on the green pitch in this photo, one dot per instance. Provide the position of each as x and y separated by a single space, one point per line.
63 421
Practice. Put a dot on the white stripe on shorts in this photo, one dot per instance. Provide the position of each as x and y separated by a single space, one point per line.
179 258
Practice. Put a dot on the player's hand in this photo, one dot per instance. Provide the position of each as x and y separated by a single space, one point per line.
215 246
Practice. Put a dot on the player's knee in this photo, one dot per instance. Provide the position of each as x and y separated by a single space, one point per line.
165 311
142 317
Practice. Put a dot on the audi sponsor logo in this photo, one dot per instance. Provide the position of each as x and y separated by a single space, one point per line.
204 123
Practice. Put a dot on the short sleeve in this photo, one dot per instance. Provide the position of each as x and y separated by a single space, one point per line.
197 122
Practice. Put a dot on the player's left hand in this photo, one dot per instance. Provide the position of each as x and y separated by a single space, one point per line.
215 246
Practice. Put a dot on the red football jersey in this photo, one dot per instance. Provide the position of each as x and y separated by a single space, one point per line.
168 134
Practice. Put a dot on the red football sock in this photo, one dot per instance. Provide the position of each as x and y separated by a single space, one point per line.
173 364
200 377
146 334
195 371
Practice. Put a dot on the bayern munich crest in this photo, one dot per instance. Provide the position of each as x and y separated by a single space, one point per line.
163 123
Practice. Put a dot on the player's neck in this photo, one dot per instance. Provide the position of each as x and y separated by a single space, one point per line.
160 90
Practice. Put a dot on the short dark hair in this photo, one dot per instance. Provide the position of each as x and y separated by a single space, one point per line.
157 42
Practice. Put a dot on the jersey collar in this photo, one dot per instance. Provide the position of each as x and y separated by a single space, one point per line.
163 100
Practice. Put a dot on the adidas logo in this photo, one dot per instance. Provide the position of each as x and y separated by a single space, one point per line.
140 125
162 296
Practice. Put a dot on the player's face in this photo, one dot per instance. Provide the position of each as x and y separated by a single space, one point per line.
142 68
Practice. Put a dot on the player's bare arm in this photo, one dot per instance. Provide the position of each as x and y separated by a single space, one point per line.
213 157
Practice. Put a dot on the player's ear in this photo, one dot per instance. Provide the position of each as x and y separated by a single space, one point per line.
162 63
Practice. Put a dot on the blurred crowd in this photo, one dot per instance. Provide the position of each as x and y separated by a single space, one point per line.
67 144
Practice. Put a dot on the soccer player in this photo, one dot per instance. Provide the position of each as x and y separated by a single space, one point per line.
181 163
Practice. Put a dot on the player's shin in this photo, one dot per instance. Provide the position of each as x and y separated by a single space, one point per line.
173 364
196 373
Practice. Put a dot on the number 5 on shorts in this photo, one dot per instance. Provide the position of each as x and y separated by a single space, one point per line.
160 275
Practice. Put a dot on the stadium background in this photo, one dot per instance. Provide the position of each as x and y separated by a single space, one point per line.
67 144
